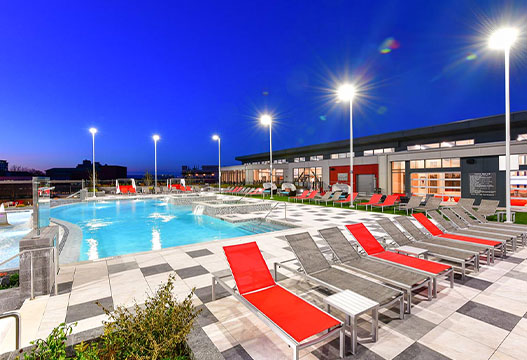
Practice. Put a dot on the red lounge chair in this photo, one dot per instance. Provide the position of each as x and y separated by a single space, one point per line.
131 190
258 191
302 196
347 200
389 201
189 188
435 231
236 189
372 247
289 316
310 196
375 198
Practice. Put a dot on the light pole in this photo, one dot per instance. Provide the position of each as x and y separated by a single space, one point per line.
93 132
503 39
156 139
267 120
346 92
218 139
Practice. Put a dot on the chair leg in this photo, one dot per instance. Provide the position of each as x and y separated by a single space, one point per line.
295 353
342 349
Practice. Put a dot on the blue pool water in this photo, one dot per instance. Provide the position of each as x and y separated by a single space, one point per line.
127 226
10 236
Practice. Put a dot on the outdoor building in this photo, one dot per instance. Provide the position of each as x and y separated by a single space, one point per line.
83 172
460 158
206 174
4 166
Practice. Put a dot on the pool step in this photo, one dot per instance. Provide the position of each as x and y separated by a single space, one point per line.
257 227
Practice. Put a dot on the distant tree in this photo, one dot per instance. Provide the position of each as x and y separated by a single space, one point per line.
147 179
90 178
19 168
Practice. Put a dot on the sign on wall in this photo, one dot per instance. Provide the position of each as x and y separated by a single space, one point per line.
482 184
342 177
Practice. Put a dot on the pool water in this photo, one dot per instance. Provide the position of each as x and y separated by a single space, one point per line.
128 226
10 236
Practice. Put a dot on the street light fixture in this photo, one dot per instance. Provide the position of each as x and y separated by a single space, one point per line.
156 139
218 139
346 92
267 120
93 131
503 39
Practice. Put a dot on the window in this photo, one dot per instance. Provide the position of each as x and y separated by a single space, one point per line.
389 150
450 163
398 177
343 155
448 144
417 164
378 151
413 147
519 183
308 177
433 163
368 152
447 183
334 156
522 159
522 137
465 142
430 146
316 157
300 159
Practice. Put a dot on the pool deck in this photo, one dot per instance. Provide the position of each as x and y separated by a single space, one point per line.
483 317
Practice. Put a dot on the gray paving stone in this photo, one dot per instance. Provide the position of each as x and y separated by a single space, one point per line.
236 353
412 326
517 275
205 293
419 351
330 351
490 315
512 259
199 253
205 317
115 268
88 309
191 271
156 269
64 288
472 282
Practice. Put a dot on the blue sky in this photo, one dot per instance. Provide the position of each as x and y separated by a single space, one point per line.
188 70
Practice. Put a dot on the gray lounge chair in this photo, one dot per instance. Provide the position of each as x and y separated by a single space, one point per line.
317 269
433 203
325 197
465 203
412 204
419 236
488 207
335 197
451 229
404 279
461 257
483 220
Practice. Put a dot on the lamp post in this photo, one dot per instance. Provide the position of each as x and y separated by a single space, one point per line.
156 139
267 120
93 132
346 92
503 39
218 139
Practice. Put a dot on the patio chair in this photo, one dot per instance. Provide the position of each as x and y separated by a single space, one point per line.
301 196
452 228
420 237
412 204
480 219
435 231
488 207
348 200
317 269
326 197
465 203
258 191
375 198
389 201
432 203
461 257
375 250
292 318
335 197
310 196
404 279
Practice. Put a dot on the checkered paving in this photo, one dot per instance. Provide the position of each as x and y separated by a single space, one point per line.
483 317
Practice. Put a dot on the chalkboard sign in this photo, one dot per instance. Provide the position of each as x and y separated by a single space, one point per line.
482 184
342 177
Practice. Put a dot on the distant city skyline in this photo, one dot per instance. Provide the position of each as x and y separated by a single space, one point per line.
188 71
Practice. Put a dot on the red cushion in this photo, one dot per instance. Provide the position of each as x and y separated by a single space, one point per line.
365 238
518 202
375 198
312 195
471 239
345 200
390 200
416 263
248 267
295 316
434 230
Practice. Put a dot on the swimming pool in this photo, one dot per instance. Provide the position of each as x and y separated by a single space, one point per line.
10 236
128 226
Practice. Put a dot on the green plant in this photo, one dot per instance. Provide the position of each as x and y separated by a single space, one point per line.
53 348
147 179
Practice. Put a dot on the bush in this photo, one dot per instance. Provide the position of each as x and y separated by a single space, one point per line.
157 330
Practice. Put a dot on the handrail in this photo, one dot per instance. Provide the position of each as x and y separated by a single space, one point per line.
31 273
274 207
72 195
17 325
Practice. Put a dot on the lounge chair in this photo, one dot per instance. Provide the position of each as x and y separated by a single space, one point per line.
435 231
465 203
324 197
348 200
450 228
412 204
483 220
375 250
420 237
461 257
404 279
432 203
375 198
335 197
389 201
258 191
290 317
488 207
301 196
317 269
310 196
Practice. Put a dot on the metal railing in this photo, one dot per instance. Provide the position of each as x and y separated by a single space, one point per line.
274 207
51 249
17 325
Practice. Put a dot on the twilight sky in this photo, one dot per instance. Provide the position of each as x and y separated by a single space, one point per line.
186 70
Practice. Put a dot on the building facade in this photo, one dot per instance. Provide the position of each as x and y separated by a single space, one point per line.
84 170
456 159
207 174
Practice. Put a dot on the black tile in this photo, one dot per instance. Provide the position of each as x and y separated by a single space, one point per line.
198 253
490 315
205 317
419 351
156 269
412 326
115 268
236 353
191 271
205 293
65 287
88 309
474 283
513 259
517 275
330 351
